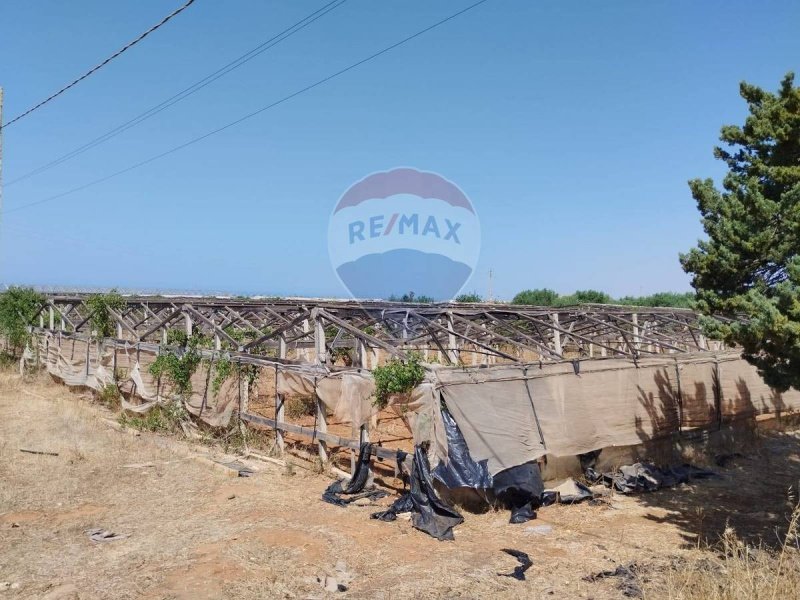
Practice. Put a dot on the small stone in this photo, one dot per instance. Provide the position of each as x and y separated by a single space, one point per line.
331 585
539 529
232 496
14 525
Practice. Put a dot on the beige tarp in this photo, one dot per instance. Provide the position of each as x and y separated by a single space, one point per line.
347 394
611 402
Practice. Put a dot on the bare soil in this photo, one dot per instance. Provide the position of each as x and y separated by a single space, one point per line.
195 532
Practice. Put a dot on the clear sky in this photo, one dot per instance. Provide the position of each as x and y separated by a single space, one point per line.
572 127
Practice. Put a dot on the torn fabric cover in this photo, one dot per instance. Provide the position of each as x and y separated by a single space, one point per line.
430 514
355 487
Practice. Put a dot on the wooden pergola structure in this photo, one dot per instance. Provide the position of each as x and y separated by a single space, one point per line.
314 330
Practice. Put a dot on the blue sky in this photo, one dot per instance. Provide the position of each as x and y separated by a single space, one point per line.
572 126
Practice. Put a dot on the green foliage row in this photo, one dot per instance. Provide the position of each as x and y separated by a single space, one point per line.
547 297
165 418
397 377
178 369
103 323
472 297
18 307
412 297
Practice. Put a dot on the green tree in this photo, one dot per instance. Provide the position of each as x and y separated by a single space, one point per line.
665 299
538 297
749 267
469 298
412 297
101 305
583 297
18 307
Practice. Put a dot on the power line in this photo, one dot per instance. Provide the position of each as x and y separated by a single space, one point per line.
185 93
101 65
254 113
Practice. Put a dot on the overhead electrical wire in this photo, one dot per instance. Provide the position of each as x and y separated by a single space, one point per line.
185 93
99 66
254 113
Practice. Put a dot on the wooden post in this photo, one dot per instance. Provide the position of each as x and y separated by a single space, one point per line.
636 343
52 319
321 356
556 334
164 336
189 325
279 409
41 320
452 341
244 394
363 430
119 331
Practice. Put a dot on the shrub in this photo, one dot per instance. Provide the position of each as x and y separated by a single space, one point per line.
109 396
18 306
165 418
299 406
101 305
397 377
541 297
469 298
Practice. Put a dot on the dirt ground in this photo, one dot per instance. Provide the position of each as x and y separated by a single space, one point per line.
195 532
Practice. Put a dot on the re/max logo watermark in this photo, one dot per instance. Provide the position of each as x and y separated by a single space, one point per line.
406 224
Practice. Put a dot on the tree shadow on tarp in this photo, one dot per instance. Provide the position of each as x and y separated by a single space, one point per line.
754 494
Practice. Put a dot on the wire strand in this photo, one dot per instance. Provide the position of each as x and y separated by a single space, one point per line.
185 93
252 114
101 65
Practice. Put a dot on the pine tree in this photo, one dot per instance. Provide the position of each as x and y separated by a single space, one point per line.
749 267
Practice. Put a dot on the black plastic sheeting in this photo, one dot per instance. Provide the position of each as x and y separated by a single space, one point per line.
429 513
354 490
520 490
646 477
524 561
460 471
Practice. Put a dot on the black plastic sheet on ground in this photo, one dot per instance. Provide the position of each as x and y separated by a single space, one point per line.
646 477
341 495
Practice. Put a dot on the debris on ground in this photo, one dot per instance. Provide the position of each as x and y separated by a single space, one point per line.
569 492
646 477
629 585
723 460
42 452
339 582
104 535
340 494
525 563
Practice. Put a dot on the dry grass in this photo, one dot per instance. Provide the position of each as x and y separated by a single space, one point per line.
734 570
